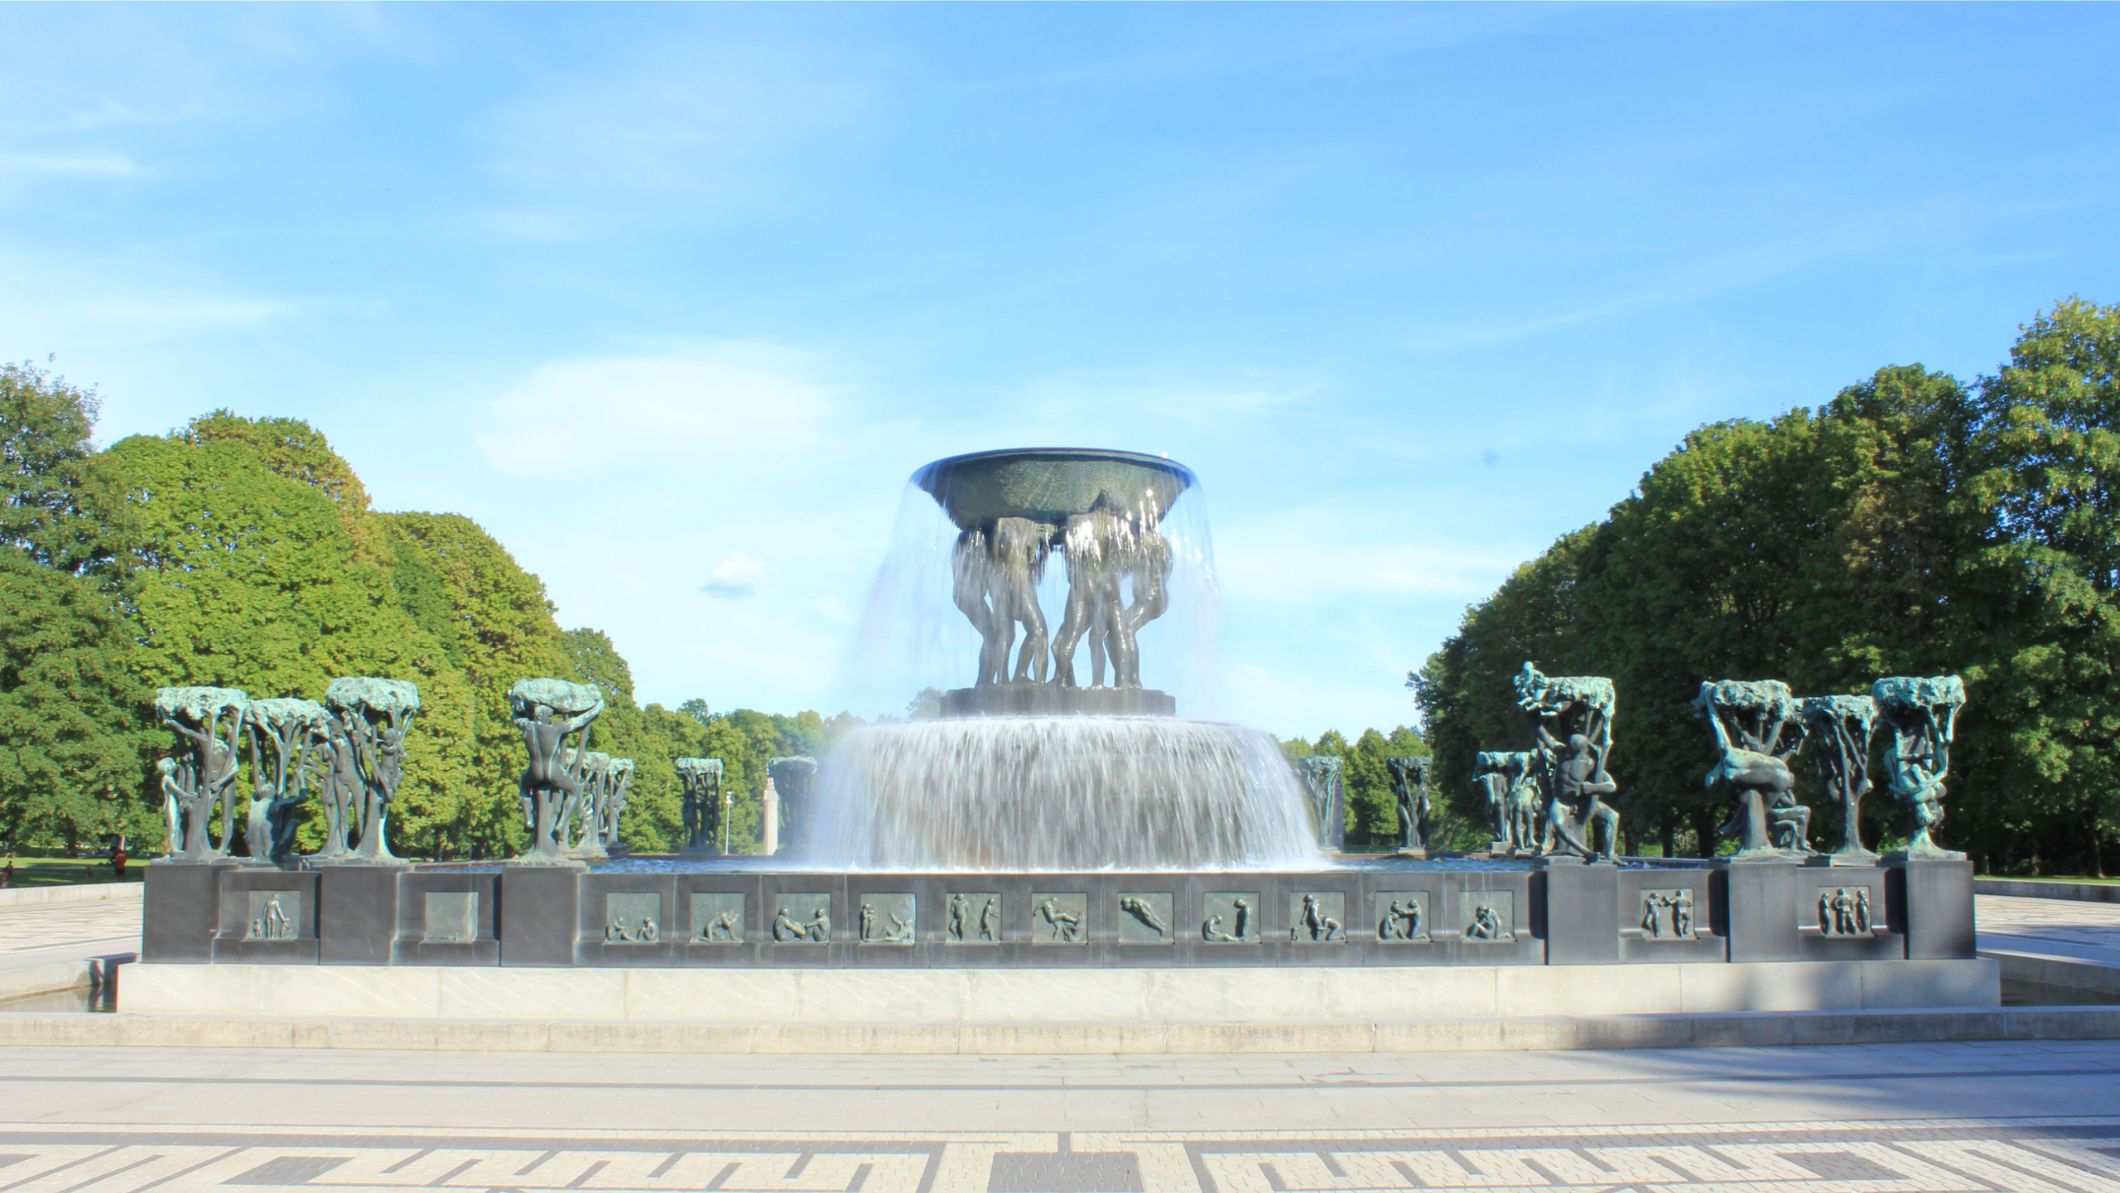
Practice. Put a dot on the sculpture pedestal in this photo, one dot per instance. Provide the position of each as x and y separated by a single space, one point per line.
1052 700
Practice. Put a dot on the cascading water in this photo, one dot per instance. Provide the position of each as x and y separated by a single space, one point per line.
1062 793
1053 580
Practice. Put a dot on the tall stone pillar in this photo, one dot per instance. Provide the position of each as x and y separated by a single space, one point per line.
769 830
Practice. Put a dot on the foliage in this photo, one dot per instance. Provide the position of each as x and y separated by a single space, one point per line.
1372 803
1912 525
71 735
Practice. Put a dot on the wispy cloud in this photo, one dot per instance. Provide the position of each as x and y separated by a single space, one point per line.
83 302
719 408
78 163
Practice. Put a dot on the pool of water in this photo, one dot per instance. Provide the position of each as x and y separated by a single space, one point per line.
81 998
2019 993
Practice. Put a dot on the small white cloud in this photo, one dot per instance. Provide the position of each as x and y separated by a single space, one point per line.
735 578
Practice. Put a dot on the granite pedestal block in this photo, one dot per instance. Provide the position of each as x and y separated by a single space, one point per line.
1375 915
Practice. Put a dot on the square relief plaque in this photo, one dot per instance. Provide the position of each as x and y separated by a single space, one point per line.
1232 917
1059 918
717 917
1490 916
1402 917
450 917
274 915
1144 918
632 918
1317 917
1668 914
972 917
1842 910
802 919
885 919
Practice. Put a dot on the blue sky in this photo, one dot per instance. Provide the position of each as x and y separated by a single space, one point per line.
1413 289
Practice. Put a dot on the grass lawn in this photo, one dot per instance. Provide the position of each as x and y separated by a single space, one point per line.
2053 878
67 871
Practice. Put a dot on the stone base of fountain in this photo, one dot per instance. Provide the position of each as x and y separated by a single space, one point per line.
1053 700
1384 914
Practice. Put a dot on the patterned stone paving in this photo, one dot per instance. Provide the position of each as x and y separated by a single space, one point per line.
2056 1155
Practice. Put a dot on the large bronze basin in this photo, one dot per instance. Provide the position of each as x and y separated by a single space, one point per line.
1051 484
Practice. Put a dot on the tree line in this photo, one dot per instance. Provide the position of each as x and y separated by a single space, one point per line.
244 553
1915 524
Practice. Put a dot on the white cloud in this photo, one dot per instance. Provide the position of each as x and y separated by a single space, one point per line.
735 577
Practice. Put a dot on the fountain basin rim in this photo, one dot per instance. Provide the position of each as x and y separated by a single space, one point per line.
972 488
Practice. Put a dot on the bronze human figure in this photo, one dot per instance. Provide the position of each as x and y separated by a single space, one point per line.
548 711
1756 731
201 780
1921 714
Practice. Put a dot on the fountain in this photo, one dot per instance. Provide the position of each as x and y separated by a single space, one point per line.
1034 767
1057 813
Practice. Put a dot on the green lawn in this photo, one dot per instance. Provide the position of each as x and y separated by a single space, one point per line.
67 871
2053 878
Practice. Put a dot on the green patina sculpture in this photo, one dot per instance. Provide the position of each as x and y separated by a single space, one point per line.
1509 782
585 832
1921 712
1756 732
1571 718
1328 798
1101 510
548 711
371 718
1839 729
202 775
700 801
615 801
1409 781
795 779
297 734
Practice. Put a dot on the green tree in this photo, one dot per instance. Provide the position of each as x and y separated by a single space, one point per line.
2047 465
71 736
59 499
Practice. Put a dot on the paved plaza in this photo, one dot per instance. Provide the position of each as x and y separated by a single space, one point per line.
2079 930
2030 1118
2024 1116
63 933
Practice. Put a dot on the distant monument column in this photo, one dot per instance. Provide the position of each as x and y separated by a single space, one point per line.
769 834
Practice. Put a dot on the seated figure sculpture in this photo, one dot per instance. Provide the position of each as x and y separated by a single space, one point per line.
1839 729
548 712
1921 713
200 781
1756 732
1409 782
1571 719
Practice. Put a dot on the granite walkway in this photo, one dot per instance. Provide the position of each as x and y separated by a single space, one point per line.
2029 1118
2067 928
